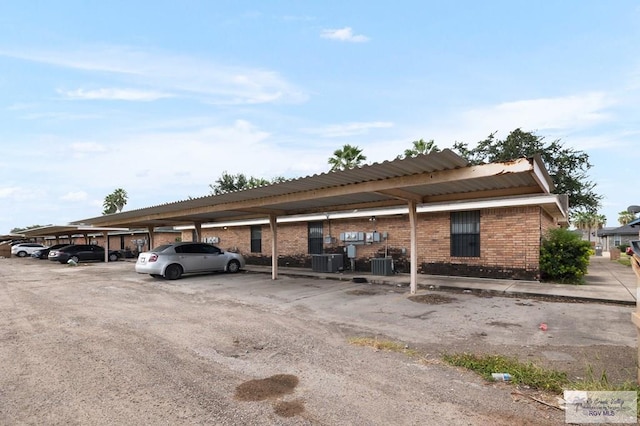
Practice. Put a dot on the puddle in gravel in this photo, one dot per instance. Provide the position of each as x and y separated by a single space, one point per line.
432 299
271 388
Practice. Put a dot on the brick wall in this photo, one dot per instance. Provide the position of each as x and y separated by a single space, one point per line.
509 242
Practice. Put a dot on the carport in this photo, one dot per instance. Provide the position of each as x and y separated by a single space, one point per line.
436 178
58 231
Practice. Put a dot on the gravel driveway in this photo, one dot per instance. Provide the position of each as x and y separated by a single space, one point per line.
100 344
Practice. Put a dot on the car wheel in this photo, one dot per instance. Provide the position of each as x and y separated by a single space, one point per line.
113 257
22 253
233 266
74 258
173 272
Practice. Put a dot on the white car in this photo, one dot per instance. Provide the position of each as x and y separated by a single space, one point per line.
172 260
26 249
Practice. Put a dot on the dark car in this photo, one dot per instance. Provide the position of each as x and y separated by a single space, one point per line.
81 253
44 253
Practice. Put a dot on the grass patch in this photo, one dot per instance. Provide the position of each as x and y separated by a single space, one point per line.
536 377
527 374
593 383
383 345
624 260
521 373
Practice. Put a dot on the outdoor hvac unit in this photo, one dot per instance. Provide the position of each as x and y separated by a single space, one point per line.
326 262
381 266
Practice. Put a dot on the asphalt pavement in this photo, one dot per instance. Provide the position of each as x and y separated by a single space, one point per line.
606 281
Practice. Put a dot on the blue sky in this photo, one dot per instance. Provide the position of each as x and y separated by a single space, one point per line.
160 98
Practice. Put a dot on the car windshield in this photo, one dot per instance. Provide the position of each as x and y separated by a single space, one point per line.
162 248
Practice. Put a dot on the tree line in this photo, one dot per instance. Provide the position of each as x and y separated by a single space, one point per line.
567 167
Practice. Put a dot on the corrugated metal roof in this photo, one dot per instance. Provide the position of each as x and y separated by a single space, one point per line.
59 230
425 178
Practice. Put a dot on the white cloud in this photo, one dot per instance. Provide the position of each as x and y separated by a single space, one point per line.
349 129
544 114
114 94
75 196
343 34
8 191
57 116
161 73
85 147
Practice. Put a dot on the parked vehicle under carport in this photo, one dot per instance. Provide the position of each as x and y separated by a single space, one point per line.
81 253
171 261
44 253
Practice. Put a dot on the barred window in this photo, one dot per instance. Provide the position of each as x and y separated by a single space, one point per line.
465 234
315 238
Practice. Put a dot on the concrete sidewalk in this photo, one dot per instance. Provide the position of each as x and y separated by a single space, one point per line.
607 281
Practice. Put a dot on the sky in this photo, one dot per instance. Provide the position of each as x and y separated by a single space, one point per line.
161 97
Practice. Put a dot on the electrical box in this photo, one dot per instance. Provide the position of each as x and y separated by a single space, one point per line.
351 251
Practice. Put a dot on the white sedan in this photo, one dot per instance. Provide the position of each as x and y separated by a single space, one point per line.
171 261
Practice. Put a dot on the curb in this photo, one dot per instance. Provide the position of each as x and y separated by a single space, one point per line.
456 289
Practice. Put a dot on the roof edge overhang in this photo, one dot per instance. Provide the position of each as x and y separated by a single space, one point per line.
66 230
555 205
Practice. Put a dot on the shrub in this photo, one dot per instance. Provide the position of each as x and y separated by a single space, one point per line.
564 257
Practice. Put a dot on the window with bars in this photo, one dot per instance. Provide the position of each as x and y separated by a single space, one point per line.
256 239
315 238
465 234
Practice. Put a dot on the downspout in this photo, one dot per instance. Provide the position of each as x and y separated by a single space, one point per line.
274 246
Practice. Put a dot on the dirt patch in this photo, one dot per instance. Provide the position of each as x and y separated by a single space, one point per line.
432 299
503 324
289 408
362 292
271 387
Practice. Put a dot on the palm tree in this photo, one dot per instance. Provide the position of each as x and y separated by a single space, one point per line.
348 157
586 221
115 201
625 217
421 147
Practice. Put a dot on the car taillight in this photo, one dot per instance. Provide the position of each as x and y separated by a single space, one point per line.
153 257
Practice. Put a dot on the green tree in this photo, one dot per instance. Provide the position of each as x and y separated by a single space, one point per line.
420 147
567 167
347 157
115 201
230 183
625 217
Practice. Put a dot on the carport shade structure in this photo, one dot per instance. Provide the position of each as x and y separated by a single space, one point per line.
439 177
69 230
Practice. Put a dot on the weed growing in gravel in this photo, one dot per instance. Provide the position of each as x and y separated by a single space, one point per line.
591 383
536 377
521 373
383 345
527 374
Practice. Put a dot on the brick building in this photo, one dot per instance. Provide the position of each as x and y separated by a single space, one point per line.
433 213
490 238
